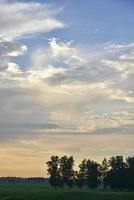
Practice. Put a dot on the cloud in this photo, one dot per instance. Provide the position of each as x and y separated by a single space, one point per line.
77 64
20 18
113 47
119 65
13 68
58 54
72 92
8 50
128 56
11 48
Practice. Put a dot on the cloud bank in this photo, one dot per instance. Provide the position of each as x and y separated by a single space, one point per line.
71 91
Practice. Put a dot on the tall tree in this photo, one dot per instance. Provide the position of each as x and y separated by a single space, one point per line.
92 174
104 170
53 171
80 178
66 170
116 178
130 173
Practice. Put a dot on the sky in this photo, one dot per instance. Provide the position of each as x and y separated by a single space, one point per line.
66 82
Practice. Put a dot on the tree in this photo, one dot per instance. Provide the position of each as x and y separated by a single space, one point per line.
116 174
130 162
80 177
103 171
92 174
53 171
66 170
129 175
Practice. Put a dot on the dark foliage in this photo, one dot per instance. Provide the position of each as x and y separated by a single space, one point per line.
113 173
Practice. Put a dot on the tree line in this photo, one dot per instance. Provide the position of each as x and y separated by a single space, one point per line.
13 179
114 173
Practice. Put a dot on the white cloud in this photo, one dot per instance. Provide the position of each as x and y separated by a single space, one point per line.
119 65
59 53
19 18
113 47
120 57
64 51
129 56
13 68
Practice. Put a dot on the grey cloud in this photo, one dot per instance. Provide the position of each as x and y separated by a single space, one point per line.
124 129
9 131
127 84
86 74
30 125
11 48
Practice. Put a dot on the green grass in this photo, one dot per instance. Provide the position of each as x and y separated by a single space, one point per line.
40 191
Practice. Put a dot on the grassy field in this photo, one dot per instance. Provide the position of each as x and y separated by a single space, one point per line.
30 191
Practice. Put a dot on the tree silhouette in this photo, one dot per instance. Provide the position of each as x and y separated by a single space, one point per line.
104 170
92 174
53 171
116 178
66 170
115 173
129 175
80 177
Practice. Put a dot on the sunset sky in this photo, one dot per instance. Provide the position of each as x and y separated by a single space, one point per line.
66 82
